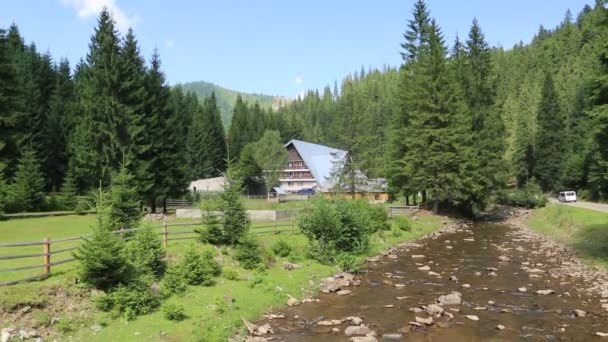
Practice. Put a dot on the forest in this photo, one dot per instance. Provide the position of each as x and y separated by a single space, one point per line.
457 121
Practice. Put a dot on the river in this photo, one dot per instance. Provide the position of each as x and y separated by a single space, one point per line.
489 264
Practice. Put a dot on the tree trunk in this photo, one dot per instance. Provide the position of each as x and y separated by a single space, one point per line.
153 205
423 196
165 205
407 200
435 206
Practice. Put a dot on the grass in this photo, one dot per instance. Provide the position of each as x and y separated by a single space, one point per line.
584 230
262 204
212 313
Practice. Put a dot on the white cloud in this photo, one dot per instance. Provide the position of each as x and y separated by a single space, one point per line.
299 80
89 8
170 43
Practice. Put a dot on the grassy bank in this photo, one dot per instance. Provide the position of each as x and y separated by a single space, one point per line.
584 230
213 313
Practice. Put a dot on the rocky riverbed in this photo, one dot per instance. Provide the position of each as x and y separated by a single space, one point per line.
469 282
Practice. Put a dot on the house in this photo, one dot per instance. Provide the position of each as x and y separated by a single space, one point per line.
207 185
311 168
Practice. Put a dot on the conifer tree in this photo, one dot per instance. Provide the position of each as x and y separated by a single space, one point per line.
124 212
217 138
239 132
68 192
9 106
27 187
270 155
548 149
235 222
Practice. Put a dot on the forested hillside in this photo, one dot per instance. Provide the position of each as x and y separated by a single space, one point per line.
67 132
226 98
463 120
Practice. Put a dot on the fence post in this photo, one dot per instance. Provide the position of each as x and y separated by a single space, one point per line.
165 233
47 255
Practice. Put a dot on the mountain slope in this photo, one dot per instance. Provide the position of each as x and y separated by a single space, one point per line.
226 97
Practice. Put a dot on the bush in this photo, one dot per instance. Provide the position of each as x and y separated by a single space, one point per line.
104 302
402 223
248 253
174 283
124 212
348 263
231 274
339 225
174 312
134 299
378 217
281 248
530 196
82 206
199 268
146 253
235 221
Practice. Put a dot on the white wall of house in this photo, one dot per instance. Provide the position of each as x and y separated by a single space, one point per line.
293 185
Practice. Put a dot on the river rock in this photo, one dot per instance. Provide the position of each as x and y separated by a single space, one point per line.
453 278
522 289
500 327
466 286
427 321
434 309
357 330
7 333
454 298
472 317
504 258
424 268
291 301
449 247
354 320
328 323
392 337
417 256
604 293
545 292
579 313
368 338
416 310
601 334
605 306
434 274
535 270
344 292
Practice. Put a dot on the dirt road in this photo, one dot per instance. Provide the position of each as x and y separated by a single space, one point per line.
587 205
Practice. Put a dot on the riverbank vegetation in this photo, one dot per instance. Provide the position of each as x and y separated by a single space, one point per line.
585 230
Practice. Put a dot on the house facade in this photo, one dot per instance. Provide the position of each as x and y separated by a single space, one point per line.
310 167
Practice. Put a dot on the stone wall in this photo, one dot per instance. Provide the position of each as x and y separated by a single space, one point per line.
254 215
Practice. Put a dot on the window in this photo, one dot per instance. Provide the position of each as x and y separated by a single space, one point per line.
289 183
300 183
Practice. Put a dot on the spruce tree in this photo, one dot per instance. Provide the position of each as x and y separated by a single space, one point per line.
217 137
271 156
239 132
124 212
27 187
549 148
68 192
9 106
417 34
235 222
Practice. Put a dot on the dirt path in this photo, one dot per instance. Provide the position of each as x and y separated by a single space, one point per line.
513 285
587 205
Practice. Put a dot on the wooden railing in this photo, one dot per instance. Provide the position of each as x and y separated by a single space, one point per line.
405 209
49 253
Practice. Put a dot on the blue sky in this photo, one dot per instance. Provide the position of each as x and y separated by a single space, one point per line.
277 47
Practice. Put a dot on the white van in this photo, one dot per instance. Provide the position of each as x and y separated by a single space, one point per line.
567 196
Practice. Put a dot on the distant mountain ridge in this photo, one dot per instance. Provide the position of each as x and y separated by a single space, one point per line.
227 97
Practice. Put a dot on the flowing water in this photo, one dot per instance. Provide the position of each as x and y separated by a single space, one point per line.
495 299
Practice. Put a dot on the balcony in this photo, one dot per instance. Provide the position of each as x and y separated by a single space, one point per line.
305 176
296 165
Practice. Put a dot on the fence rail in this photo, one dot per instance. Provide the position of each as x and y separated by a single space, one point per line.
404 209
278 226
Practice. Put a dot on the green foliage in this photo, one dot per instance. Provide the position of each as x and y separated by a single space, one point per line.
134 299
124 212
212 231
248 253
174 312
199 267
102 259
174 282
350 263
271 156
146 253
235 222
26 192
82 206
336 226
231 274
281 248
68 193
402 223
378 218
530 196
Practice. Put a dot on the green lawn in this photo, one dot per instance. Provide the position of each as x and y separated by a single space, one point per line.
583 229
262 204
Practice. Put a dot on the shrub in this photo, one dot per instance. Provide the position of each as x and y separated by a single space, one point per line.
530 196
248 253
378 217
402 223
174 312
134 299
199 268
397 233
235 221
82 206
348 263
281 248
336 226
104 302
174 283
124 212
231 274
146 253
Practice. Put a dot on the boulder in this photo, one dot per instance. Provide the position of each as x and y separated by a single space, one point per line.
434 310
427 321
360 330
472 317
292 301
344 292
291 266
454 298
545 292
579 313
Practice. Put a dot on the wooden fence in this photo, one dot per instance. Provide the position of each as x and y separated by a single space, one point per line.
404 210
48 254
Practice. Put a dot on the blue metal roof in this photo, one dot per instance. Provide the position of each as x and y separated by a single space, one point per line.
320 160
